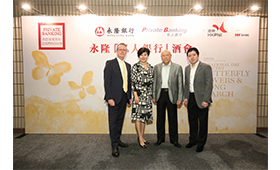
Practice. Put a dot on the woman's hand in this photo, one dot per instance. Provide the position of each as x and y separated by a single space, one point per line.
136 99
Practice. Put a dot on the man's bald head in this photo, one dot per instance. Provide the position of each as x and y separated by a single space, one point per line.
166 56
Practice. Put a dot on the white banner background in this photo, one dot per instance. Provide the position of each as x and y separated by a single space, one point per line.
229 44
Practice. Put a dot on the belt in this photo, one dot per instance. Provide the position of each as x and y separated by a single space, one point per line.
164 89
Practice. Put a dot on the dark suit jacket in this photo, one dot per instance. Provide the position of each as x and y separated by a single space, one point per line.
113 82
203 83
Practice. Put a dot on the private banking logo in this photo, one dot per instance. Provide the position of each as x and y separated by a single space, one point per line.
51 36
145 29
217 32
170 32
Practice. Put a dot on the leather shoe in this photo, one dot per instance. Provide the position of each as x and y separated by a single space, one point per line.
115 152
178 145
123 145
158 143
199 148
189 145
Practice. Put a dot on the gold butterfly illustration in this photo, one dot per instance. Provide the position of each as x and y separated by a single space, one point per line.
85 87
44 69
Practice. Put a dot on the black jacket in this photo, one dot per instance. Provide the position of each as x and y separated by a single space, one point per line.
113 83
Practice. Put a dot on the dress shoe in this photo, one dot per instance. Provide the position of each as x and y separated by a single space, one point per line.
178 145
199 148
123 145
189 145
115 152
158 142
142 146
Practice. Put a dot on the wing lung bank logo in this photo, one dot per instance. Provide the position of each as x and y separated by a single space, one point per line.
216 31
115 31
99 31
170 32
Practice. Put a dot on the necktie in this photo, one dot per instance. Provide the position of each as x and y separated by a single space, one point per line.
124 78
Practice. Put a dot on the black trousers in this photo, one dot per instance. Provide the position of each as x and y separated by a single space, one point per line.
162 104
116 117
198 132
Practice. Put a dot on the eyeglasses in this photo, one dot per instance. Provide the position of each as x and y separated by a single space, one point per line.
122 49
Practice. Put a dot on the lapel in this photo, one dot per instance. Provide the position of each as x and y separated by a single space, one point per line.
197 70
118 67
160 72
170 73
188 72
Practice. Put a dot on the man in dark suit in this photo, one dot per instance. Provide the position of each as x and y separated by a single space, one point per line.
167 93
198 91
117 84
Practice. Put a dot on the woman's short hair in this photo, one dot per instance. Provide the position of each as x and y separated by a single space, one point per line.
142 50
193 49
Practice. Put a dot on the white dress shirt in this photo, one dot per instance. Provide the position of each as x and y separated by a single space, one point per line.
165 75
192 74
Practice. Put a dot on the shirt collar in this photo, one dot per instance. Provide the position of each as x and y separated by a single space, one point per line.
196 64
119 60
167 65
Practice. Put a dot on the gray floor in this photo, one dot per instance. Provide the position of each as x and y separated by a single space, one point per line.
222 151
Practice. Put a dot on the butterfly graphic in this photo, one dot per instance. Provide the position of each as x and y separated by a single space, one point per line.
221 28
85 87
44 69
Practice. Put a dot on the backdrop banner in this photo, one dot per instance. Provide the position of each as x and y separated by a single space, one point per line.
64 58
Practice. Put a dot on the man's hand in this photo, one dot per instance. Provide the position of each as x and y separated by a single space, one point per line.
179 103
154 101
186 102
130 102
111 102
204 104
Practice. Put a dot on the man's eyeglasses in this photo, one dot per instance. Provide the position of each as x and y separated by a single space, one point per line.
122 49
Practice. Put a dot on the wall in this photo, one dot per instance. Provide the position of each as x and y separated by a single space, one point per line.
154 8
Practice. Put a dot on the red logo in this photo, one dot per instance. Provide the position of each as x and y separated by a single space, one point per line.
51 36
99 31
221 27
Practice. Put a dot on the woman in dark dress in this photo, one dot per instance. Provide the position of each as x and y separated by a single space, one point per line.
142 80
